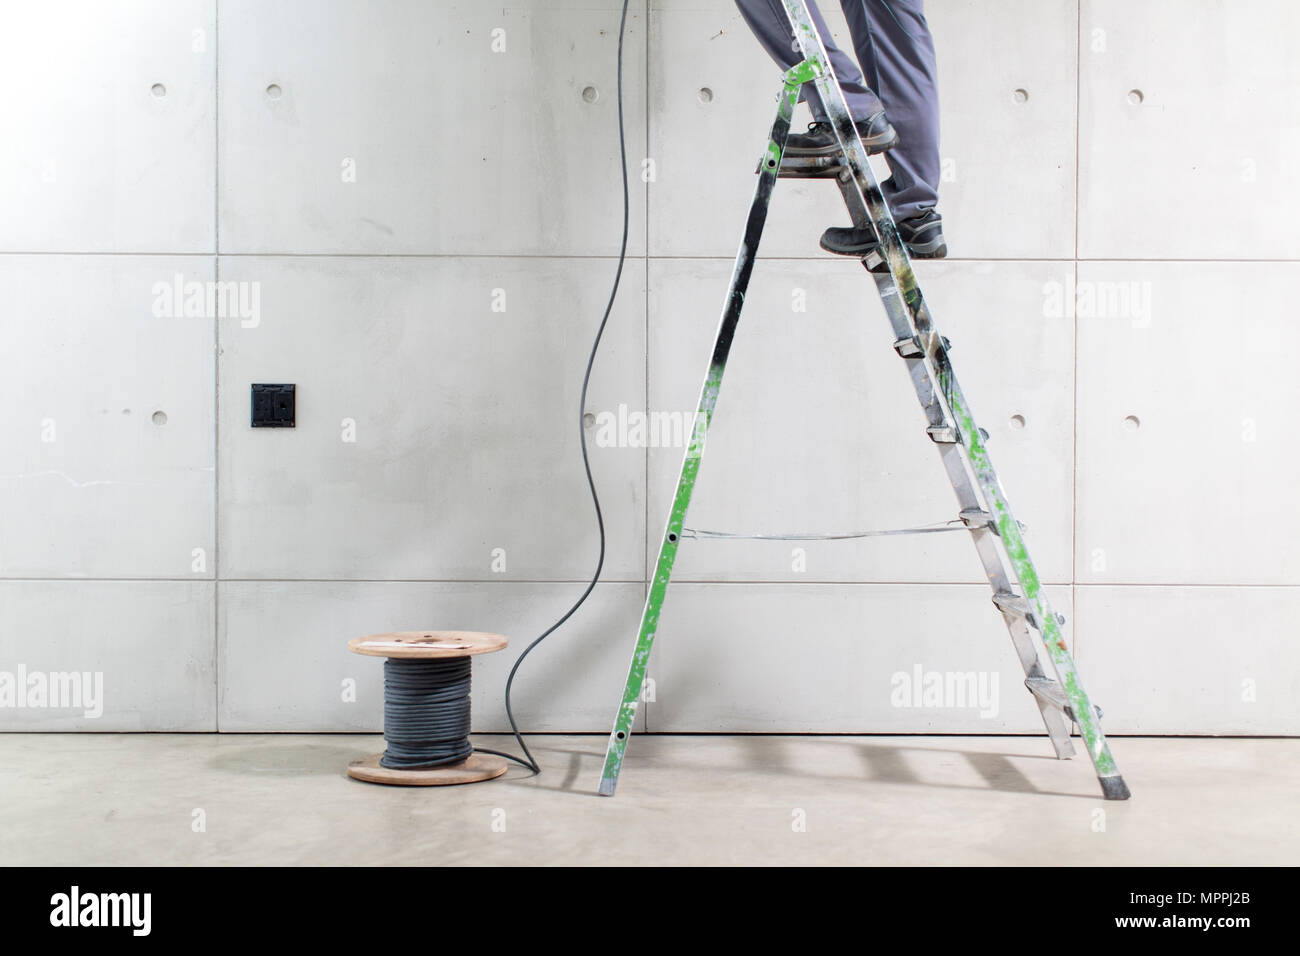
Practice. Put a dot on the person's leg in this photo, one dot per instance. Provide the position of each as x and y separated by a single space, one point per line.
772 28
896 51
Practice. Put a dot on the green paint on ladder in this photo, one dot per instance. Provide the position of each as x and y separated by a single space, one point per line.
1085 715
626 717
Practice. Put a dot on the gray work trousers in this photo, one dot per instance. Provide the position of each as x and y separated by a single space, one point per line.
896 53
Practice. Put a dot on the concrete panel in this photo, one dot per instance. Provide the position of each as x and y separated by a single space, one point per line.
110 126
818 428
284 657
1186 454
712 100
401 126
1188 129
1009 182
106 447
436 438
1007 88
839 659
1196 660
142 652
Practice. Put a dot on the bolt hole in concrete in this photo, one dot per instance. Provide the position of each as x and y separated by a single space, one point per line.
1135 97
705 95
588 419
590 94
1017 422
160 418
158 90
1021 96
1132 423
274 91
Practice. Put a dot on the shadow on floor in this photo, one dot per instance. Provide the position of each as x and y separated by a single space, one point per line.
883 763
289 759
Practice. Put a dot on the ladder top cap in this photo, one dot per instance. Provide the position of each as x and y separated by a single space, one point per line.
428 644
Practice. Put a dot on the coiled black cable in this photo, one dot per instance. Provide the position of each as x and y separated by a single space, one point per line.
426 712
528 760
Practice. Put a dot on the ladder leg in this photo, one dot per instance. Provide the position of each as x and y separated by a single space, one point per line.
768 169
952 427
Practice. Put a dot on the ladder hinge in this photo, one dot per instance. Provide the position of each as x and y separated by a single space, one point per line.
975 519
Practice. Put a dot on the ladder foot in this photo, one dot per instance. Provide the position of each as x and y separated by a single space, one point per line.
607 785
1114 788
1064 750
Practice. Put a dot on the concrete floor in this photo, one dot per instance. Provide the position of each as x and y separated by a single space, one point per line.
83 799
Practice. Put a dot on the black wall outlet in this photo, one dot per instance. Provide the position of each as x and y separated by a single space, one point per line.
273 406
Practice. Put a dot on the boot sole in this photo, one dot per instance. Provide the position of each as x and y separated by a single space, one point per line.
934 249
880 143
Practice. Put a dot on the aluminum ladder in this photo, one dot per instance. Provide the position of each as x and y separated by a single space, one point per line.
1017 592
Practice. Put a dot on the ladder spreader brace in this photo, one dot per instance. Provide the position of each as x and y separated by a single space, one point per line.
950 424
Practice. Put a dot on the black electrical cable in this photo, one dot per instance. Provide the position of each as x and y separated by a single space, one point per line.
426 713
530 762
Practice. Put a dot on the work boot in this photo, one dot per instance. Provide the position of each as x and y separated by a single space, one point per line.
922 235
877 136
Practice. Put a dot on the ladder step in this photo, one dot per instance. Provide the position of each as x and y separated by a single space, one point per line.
1015 604
1050 692
947 434
873 261
914 346
808 167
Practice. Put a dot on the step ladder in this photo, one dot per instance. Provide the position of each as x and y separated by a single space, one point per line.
984 511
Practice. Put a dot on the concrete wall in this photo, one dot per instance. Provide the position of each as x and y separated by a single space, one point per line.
424 197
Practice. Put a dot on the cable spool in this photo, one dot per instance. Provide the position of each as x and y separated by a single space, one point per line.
426 709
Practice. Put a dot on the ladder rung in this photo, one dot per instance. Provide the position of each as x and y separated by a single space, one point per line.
908 347
1049 691
807 167
1015 604
947 434
914 346
875 262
